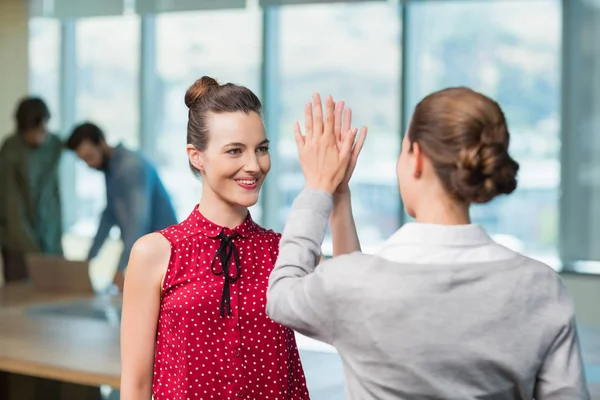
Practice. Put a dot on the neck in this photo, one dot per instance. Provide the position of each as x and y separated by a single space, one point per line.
108 151
220 212
442 210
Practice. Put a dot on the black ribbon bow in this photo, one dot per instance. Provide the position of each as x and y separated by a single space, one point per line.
224 252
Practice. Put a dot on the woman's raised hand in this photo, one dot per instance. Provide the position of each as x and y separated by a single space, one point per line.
324 158
343 129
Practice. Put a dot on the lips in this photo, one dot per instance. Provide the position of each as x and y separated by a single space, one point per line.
248 184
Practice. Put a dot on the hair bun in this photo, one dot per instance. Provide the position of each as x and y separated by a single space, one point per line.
199 88
485 170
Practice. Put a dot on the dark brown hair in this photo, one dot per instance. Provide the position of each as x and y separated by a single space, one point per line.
464 135
83 132
31 113
207 95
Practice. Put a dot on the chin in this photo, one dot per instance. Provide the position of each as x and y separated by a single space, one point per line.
245 197
247 200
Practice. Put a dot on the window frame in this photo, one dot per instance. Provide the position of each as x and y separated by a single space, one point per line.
269 78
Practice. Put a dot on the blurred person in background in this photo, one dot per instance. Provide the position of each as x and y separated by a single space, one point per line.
30 204
136 199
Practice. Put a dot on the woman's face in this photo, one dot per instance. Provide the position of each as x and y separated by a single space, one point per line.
236 161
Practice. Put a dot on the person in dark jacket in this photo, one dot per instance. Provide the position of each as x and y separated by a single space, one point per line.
30 204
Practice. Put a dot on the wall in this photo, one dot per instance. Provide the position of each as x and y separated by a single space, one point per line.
13 59
13 63
585 290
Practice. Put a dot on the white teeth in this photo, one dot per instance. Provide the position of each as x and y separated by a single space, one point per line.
246 182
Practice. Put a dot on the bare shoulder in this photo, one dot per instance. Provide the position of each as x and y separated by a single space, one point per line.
149 256
151 245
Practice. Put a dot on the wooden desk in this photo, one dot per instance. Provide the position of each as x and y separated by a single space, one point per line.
43 352
79 351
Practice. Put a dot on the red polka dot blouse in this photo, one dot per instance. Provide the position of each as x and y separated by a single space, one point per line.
214 339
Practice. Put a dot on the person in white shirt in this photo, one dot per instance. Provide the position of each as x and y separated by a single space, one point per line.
442 312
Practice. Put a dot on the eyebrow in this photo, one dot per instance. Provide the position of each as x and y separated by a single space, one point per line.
237 144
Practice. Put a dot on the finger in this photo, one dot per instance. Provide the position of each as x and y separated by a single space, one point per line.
329 118
298 136
359 143
347 120
337 130
308 120
347 143
317 116
356 149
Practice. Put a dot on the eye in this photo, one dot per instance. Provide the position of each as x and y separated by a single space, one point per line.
263 149
234 152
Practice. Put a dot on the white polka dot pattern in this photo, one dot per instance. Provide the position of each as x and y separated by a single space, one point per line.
201 355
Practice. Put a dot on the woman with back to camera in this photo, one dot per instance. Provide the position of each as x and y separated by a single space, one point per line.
194 323
442 312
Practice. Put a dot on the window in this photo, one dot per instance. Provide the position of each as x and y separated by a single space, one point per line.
44 65
500 49
580 164
225 45
356 62
107 94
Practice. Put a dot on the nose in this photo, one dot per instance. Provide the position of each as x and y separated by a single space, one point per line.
251 165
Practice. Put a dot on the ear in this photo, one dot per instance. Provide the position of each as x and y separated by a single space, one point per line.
417 166
195 156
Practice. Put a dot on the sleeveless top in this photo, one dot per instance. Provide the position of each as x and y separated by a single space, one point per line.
214 339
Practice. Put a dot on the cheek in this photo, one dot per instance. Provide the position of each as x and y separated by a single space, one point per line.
96 159
401 166
265 163
219 170
404 175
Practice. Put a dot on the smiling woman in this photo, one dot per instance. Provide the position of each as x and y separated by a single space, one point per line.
194 300
238 157
239 33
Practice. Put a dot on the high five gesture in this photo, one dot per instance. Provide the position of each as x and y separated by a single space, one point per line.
328 152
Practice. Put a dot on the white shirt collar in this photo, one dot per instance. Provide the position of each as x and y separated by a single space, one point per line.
439 235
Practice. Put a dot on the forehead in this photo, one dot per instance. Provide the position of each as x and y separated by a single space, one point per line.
86 147
235 127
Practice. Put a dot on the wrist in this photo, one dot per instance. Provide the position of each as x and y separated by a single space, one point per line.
342 191
341 198
330 189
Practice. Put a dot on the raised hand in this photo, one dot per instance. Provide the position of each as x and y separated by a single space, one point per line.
342 130
324 157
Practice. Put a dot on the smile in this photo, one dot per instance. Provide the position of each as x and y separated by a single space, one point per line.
248 184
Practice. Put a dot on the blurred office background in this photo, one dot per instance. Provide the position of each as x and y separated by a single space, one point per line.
125 65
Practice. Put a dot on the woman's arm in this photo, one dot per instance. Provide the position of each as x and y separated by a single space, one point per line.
298 295
148 263
562 374
343 229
